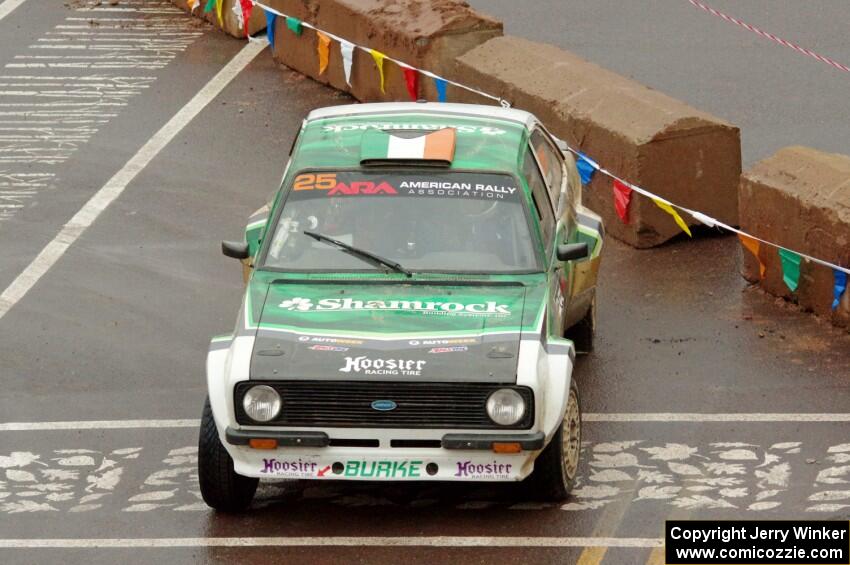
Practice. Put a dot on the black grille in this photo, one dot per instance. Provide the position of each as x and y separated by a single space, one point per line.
341 404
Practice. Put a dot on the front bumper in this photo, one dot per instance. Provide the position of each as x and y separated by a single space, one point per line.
308 455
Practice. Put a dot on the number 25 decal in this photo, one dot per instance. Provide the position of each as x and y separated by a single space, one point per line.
311 181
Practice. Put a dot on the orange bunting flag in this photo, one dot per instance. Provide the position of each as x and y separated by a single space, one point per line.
669 209
753 245
379 61
622 197
323 47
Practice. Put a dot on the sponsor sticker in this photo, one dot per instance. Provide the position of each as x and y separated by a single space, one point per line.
328 348
456 189
295 468
378 366
483 309
451 349
452 341
473 470
339 340
486 130
381 469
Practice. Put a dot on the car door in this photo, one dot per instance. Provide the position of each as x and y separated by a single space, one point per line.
545 213
552 169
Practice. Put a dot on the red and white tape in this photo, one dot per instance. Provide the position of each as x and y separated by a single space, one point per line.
770 36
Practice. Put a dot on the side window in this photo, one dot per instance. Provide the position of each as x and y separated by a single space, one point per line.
539 196
551 164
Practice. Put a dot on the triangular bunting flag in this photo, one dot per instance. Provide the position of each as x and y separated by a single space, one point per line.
346 49
411 79
219 4
670 210
440 85
247 8
622 197
209 6
294 25
237 11
270 21
379 62
193 4
840 287
790 268
753 245
323 46
585 168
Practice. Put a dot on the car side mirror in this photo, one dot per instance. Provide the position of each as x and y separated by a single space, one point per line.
235 249
571 251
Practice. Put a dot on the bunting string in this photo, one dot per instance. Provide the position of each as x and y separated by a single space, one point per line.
623 189
438 80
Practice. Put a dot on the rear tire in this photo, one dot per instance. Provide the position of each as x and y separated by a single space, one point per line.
221 487
583 332
556 468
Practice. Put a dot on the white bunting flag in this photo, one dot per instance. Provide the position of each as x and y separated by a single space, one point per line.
346 49
237 11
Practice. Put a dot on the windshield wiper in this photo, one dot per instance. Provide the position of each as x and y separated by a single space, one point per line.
367 256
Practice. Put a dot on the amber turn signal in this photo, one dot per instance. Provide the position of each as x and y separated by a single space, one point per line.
512 447
263 443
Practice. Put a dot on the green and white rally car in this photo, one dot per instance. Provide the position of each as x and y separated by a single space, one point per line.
416 292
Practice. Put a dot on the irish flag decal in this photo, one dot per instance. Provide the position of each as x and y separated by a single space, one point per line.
434 146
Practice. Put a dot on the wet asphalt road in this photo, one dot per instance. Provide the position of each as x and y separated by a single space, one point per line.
118 330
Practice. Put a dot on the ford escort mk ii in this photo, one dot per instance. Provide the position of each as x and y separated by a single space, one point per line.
415 295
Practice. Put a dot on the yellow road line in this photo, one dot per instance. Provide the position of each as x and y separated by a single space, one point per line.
591 556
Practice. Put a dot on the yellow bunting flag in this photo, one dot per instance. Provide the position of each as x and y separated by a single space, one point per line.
669 209
379 61
218 6
323 47
753 246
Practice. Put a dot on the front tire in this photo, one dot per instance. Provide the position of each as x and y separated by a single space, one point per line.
221 487
556 468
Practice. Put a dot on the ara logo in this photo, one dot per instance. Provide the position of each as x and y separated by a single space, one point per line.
384 405
490 308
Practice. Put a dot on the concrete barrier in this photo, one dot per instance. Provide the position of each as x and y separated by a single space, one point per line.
256 23
646 137
800 198
426 34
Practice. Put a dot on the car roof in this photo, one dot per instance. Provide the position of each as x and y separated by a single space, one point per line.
488 137
376 109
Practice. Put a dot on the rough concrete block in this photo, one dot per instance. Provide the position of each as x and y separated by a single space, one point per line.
425 34
256 23
800 198
648 138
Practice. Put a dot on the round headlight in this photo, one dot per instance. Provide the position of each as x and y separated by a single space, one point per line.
505 407
261 403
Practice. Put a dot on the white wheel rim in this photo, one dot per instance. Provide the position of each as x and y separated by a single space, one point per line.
571 436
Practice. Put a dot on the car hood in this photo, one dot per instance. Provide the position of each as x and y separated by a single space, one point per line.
332 330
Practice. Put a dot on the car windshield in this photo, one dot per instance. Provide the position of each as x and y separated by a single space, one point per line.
423 220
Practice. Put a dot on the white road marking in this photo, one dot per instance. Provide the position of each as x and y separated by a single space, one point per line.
7 7
97 425
113 188
590 417
335 541
670 417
